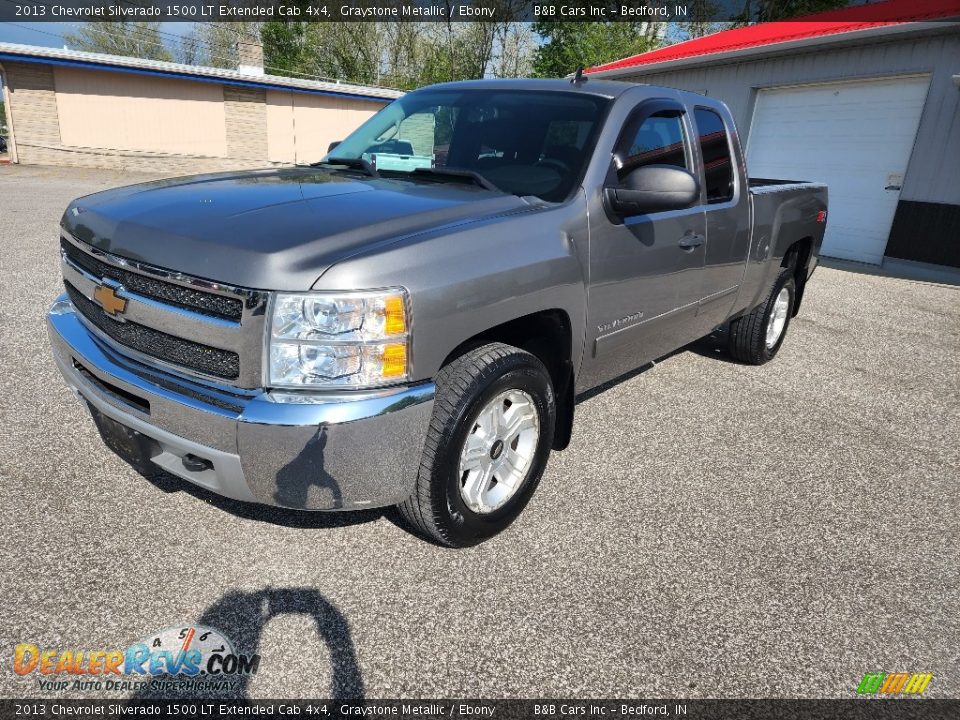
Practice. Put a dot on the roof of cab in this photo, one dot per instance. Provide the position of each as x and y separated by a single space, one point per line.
603 88
610 89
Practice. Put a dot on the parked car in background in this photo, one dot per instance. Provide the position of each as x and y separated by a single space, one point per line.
400 326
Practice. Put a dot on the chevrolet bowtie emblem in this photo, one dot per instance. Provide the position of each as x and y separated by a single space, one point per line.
111 303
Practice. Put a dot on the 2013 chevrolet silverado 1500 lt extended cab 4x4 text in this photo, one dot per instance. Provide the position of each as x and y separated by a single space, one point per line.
410 320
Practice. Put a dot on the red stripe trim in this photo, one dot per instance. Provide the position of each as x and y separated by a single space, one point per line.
860 17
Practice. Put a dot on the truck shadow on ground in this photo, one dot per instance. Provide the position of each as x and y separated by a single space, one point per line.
620 379
712 346
301 519
242 617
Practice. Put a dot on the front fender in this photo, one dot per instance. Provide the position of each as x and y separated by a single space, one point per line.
466 280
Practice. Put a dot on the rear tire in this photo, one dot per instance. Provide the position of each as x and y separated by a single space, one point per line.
756 337
487 446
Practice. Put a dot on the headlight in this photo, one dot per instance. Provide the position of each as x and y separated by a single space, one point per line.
349 340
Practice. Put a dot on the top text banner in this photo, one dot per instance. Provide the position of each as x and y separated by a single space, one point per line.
398 10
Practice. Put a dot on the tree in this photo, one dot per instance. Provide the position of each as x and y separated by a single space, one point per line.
131 39
214 44
401 50
403 55
568 45
348 51
286 49
513 58
454 51
703 20
771 10
3 113
343 51
473 50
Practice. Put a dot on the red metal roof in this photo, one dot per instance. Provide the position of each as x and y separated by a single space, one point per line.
850 19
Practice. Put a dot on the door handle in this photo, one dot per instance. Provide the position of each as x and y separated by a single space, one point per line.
691 241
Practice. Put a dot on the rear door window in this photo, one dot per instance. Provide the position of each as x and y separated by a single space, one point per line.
715 149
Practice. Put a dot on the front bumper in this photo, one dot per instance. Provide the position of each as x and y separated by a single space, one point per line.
312 451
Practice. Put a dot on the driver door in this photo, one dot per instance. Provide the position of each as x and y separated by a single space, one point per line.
646 270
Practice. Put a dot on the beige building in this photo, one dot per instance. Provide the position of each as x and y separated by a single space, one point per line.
66 107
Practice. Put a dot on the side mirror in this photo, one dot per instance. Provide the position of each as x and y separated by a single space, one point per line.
332 145
653 188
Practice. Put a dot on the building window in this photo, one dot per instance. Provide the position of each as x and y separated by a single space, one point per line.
715 148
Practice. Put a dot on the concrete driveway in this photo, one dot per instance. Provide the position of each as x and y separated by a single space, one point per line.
714 530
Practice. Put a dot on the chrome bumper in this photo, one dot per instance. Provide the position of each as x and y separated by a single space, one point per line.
312 451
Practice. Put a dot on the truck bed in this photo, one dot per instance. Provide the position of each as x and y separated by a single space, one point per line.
783 212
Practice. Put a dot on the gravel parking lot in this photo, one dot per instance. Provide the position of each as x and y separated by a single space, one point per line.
714 530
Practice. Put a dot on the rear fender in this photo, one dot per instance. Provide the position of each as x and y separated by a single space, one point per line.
794 212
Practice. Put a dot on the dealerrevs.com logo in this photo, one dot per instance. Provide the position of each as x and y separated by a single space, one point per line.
888 684
195 655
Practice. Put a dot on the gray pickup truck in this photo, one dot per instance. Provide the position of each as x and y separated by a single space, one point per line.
410 321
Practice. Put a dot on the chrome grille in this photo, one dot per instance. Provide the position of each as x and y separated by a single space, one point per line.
195 356
207 303
193 326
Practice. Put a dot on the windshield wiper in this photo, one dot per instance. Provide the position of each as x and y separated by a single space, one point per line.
352 163
470 176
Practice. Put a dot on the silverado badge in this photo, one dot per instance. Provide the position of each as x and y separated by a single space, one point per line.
111 303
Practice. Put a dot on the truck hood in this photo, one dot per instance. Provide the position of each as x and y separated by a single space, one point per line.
272 229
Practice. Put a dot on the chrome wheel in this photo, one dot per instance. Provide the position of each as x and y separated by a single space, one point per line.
778 318
499 450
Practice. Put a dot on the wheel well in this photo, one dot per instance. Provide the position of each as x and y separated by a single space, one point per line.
797 257
546 334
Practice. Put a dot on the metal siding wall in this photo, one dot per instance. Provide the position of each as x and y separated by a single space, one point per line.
319 120
932 175
246 122
281 145
32 110
115 111
301 127
249 129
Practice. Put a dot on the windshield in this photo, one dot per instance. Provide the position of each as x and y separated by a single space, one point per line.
525 143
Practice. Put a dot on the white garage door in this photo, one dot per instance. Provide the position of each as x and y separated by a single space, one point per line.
856 137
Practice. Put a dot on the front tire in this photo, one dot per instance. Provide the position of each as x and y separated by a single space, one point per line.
487 446
756 337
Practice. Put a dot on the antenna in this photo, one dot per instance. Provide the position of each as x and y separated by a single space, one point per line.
578 77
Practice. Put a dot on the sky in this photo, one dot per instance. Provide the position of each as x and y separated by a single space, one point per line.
50 34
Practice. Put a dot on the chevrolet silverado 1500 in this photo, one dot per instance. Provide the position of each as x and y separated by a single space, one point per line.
409 321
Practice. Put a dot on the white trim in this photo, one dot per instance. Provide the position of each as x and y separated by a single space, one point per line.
881 31
867 77
334 86
12 155
251 70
